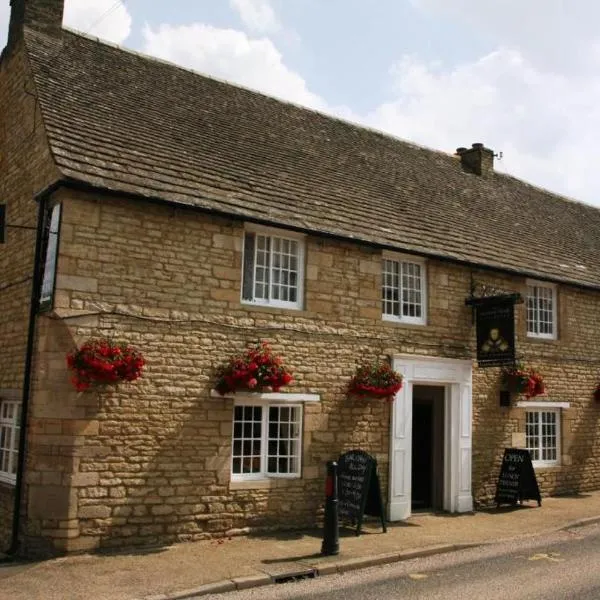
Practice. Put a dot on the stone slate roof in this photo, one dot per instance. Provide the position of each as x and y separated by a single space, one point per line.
126 122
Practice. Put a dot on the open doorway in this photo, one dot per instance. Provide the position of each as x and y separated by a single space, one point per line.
427 485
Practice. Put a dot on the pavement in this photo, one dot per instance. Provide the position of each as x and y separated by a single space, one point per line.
188 570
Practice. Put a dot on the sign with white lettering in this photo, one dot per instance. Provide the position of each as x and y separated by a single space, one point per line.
359 491
517 481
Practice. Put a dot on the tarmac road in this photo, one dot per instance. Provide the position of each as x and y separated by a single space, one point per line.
562 565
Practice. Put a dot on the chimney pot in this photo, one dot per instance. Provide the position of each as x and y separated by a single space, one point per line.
478 159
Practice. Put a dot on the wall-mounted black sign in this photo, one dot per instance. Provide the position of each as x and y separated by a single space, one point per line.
495 331
359 491
517 481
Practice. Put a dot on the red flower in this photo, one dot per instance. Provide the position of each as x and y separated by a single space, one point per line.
376 380
256 369
104 362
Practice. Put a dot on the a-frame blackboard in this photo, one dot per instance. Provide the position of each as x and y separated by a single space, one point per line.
517 481
359 491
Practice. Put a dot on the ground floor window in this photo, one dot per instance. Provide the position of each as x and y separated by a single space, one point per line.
10 418
266 440
542 436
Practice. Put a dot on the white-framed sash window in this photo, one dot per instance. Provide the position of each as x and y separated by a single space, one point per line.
273 270
404 287
542 435
541 310
10 426
267 439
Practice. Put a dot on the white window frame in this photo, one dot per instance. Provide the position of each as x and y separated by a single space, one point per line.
48 284
271 232
265 405
539 408
14 426
531 283
405 258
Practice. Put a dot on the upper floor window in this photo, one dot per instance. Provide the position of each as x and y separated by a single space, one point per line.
541 310
10 419
403 290
273 268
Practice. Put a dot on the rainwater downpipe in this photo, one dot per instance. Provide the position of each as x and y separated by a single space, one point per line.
42 199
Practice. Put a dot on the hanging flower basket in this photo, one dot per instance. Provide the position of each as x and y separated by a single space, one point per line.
376 380
102 361
521 381
256 370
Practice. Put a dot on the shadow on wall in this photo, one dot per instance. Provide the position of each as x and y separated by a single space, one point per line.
148 463
582 469
492 432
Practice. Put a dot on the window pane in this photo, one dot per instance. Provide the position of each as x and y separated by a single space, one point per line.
284 446
9 438
284 269
50 262
262 267
247 439
248 275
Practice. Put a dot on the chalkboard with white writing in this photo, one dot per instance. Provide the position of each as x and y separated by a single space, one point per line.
517 481
359 491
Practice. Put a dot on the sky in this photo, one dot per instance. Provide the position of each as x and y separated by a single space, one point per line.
523 77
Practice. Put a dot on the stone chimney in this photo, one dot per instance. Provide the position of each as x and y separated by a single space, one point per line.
43 15
478 159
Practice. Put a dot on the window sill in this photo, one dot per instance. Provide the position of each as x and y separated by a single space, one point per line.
271 396
546 467
8 484
262 484
542 404
395 322
541 338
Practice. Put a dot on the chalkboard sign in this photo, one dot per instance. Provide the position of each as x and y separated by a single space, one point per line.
517 480
359 492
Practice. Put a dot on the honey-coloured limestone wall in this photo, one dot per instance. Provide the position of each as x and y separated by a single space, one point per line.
26 168
149 462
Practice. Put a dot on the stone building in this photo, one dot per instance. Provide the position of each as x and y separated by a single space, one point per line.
191 218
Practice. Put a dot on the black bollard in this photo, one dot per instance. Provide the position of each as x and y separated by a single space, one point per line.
331 531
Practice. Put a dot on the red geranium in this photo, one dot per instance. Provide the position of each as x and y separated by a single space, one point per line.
102 361
256 369
520 381
375 379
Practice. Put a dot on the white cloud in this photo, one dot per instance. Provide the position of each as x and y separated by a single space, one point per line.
543 122
553 34
230 55
4 19
257 15
105 19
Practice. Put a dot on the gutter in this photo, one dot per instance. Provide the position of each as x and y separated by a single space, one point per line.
42 199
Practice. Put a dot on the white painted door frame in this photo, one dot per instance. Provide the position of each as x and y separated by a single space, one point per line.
456 378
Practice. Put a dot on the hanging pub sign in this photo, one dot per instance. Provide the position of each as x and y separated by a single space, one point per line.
495 319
